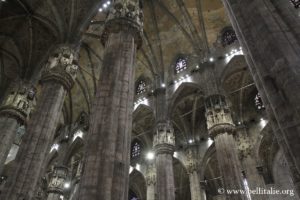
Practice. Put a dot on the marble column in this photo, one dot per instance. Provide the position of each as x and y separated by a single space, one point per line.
164 145
194 180
14 112
151 182
221 129
57 77
107 156
272 52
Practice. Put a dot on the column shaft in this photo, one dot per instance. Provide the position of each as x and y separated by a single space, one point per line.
254 179
150 192
165 177
107 157
221 128
57 77
273 58
164 144
35 147
195 186
229 164
8 127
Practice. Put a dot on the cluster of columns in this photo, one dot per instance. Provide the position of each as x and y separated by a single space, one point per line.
107 162
57 78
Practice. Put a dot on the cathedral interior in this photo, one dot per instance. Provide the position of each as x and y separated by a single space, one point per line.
149 99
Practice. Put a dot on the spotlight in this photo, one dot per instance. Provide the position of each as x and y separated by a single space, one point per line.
190 141
100 9
211 59
67 185
163 85
150 156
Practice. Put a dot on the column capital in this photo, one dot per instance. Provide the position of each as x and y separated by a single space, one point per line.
57 179
62 66
125 15
164 139
19 103
218 115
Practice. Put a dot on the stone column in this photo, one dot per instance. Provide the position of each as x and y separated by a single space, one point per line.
164 145
249 165
107 156
14 112
194 180
151 182
76 182
57 77
272 53
221 128
57 180
59 174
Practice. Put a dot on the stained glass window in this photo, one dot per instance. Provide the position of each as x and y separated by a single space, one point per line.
141 87
180 65
258 102
296 3
135 149
228 37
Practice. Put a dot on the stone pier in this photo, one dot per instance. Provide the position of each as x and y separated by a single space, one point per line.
14 112
164 145
106 165
57 77
221 129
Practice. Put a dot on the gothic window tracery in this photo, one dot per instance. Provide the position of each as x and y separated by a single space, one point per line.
136 149
141 87
258 102
296 3
180 65
228 37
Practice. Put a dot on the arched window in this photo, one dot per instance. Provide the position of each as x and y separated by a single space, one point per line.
180 65
258 102
228 37
296 3
136 148
141 87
